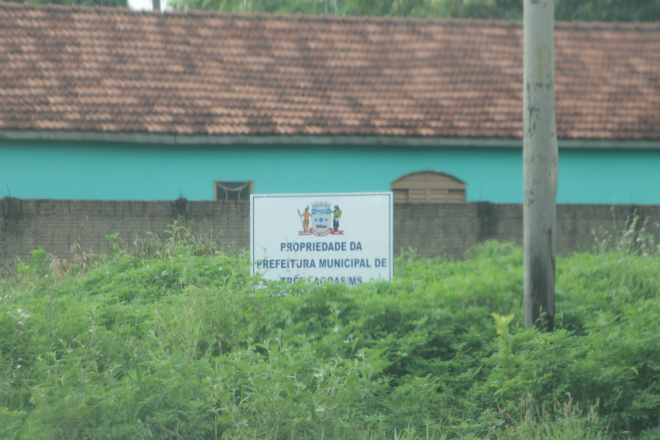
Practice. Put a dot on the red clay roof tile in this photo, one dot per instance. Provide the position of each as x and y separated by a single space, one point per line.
113 70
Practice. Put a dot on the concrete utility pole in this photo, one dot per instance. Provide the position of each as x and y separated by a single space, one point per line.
539 164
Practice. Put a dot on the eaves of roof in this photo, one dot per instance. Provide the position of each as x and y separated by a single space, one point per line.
374 141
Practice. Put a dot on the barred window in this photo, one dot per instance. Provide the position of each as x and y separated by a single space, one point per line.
226 190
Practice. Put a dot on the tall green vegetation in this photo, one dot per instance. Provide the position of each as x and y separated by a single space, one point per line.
174 340
583 10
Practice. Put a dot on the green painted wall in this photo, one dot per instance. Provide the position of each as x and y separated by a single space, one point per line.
609 176
107 171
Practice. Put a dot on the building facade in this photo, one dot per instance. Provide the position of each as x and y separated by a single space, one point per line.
110 104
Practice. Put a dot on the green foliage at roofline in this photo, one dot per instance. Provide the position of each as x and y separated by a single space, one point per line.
580 10
565 10
107 3
175 340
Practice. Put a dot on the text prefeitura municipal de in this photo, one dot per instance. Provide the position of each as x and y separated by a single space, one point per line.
301 263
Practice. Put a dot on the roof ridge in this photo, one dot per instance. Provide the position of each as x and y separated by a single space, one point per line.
607 25
353 19
66 8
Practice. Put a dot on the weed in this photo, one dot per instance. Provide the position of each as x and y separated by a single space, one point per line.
172 340
634 238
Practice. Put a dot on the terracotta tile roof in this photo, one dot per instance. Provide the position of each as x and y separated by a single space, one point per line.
117 71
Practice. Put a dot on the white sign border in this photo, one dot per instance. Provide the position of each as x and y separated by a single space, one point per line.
387 194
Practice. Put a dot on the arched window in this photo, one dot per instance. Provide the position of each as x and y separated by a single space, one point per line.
428 187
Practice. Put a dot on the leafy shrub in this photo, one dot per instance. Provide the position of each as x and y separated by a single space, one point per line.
180 344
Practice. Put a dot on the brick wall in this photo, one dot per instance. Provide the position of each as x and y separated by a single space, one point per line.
448 230
63 227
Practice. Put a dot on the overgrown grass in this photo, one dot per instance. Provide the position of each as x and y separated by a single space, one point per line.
176 341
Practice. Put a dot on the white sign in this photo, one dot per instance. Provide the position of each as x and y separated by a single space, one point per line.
343 238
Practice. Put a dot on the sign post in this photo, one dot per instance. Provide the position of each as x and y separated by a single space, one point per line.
342 238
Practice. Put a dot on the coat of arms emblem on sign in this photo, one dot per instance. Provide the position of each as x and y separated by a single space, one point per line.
322 219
